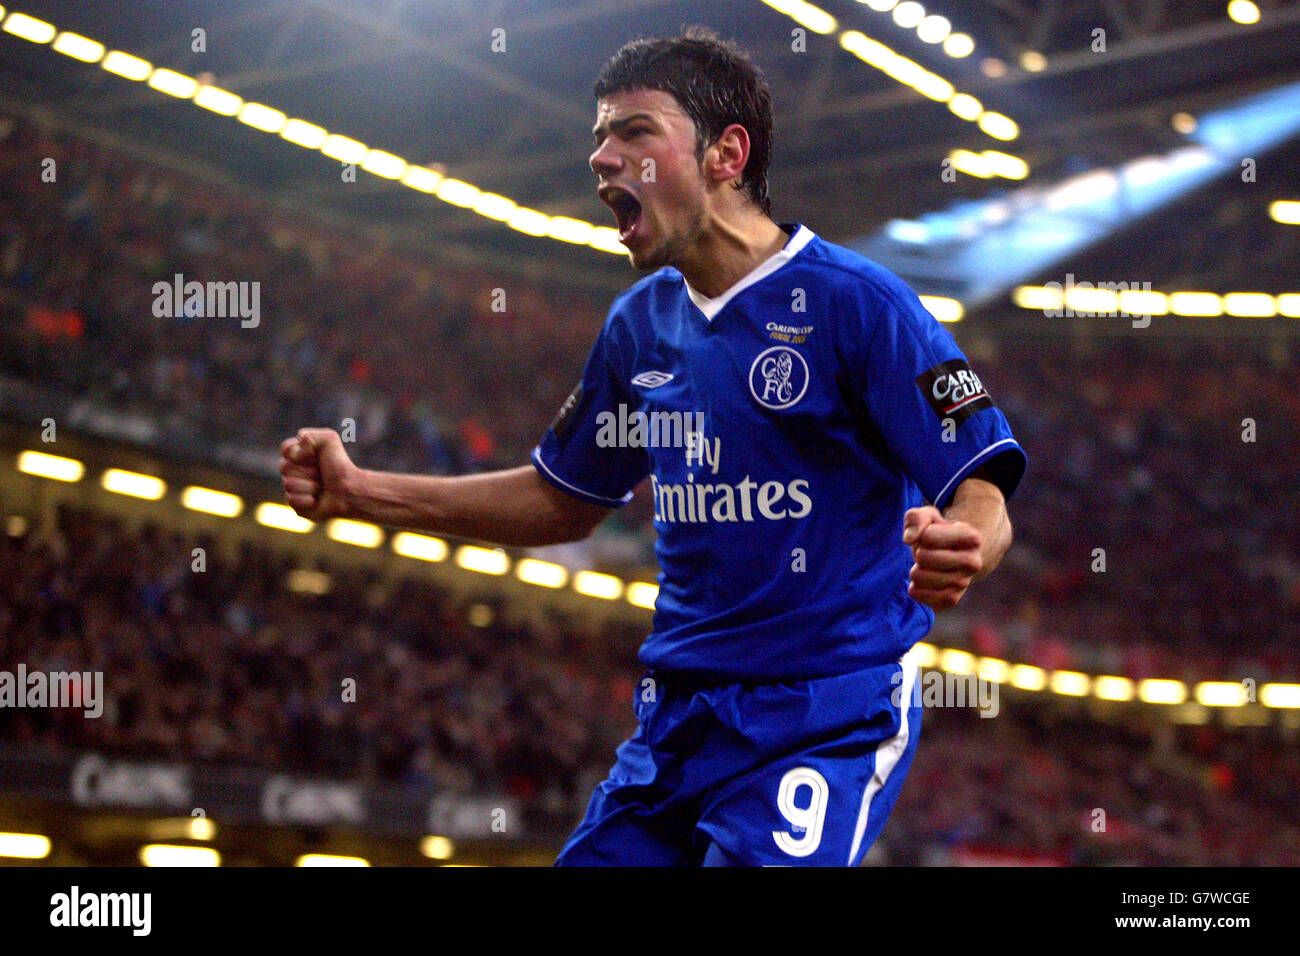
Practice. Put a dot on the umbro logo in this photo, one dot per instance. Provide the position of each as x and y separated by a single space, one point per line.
652 379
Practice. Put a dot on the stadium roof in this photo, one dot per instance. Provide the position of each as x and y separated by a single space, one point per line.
498 94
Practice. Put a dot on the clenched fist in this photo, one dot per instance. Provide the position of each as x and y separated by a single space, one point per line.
317 474
947 555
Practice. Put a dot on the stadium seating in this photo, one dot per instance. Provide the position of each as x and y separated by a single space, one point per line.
1148 537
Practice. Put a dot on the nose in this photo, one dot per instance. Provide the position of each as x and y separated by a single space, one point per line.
604 161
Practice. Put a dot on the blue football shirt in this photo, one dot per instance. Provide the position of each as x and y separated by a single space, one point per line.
786 426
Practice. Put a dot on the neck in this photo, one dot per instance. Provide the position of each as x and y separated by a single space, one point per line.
730 248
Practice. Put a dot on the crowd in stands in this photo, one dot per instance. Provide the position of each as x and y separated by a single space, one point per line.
1152 535
1154 531
226 665
439 370
1030 786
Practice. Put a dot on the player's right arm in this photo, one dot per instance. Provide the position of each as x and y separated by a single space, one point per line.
514 507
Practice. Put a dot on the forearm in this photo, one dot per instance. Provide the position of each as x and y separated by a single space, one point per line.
981 505
514 507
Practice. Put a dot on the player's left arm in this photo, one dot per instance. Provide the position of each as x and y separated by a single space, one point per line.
959 546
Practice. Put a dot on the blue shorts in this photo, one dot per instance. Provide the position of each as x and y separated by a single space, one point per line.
798 774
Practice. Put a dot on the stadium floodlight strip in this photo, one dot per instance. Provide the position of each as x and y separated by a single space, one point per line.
1070 683
384 165
1088 301
943 308
1221 694
299 132
165 854
1027 677
437 848
213 502
643 594
24 846
805 14
29 28
640 594
1107 687
1067 683
123 482
422 547
594 584
55 467
1159 691
330 859
924 654
78 47
347 531
282 518
910 73
1280 695
362 534
173 84
132 483
956 662
988 164
896 66
929 28
992 669
181 828
1244 12
544 574
261 117
1285 211
127 66
483 560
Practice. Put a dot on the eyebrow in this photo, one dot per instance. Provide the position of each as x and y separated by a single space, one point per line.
598 132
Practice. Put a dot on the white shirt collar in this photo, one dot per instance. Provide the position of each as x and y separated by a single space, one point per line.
711 307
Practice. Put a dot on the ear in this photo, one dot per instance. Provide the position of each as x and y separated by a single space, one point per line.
725 160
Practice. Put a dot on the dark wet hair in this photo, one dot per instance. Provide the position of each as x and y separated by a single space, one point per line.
715 82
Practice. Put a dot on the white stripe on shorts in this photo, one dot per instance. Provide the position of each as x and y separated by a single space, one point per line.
889 752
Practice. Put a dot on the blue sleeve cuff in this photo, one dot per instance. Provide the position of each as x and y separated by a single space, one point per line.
577 492
1006 465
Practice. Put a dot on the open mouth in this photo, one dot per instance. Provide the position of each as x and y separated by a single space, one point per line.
626 207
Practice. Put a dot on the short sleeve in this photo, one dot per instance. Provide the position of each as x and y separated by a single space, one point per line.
922 395
570 454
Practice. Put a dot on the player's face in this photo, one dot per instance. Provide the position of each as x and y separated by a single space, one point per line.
649 176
